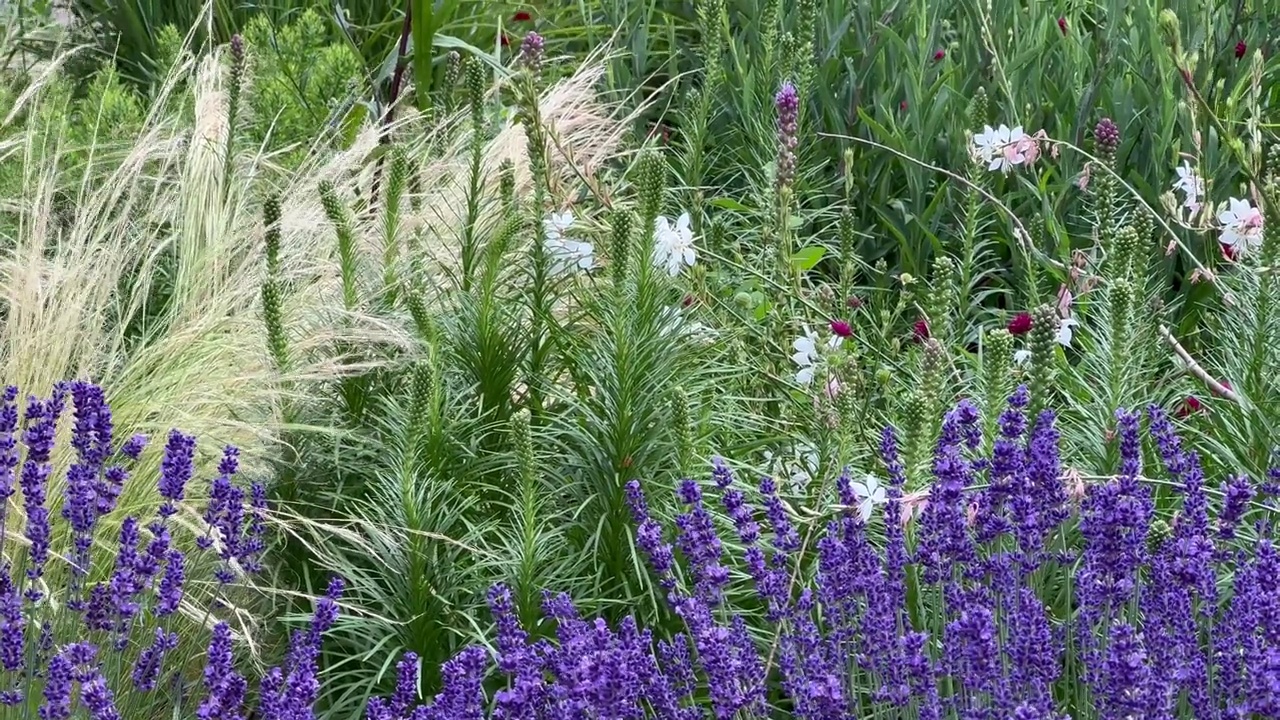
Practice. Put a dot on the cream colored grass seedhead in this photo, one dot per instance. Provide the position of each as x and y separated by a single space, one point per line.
204 366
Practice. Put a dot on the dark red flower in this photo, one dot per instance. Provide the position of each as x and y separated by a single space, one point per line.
854 302
521 16
939 54
1189 406
1230 252
902 106
1020 324
841 328
1241 49
688 301
920 331
1062 25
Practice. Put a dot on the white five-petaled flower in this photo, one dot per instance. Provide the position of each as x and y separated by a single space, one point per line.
1191 185
1002 148
566 253
1241 226
673 246
871 493
806 354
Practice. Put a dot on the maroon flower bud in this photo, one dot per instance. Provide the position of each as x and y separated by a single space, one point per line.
841 328
902 106
1189 406
1020 324
854 302
1107 136
521 16
688 301
1241 49
1062 25
920 331
939 54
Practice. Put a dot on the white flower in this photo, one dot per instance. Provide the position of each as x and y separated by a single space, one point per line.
872 494
1065 332
565 252
1001 148
1241 226
673 247
800 468
806 354
1022 357
1191 184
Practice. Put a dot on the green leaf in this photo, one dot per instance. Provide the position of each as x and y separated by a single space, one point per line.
423 28
806 258
730 204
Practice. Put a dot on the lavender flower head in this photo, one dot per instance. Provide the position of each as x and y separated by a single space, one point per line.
176 469
787 102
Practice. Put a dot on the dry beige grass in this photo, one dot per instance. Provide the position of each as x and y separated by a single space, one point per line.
206 369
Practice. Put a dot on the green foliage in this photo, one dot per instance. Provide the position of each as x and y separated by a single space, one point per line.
302 87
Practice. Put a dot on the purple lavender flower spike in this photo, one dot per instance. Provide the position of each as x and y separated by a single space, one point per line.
147 670
169 594
134 446
8 450
649 538
700 543
176 470
39 438
98 698
12 623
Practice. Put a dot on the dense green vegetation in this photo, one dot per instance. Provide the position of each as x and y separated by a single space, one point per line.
937 339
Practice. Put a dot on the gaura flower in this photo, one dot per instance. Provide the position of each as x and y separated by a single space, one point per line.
807 356
1004 148
871 493
673 247
566 253
1241 226
1065 332
1191 185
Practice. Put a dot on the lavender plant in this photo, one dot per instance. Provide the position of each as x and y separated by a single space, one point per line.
73 616
954 614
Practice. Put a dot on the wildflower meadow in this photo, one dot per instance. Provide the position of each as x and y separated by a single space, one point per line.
607 360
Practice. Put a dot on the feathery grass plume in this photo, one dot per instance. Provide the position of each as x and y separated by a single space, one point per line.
944 300
620 247
391 222
997 380
348 261
277 335
1044 358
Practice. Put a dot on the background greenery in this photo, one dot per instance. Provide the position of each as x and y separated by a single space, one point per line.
438 411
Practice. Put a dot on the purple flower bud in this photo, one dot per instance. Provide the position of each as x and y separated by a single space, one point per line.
531 52
1107 136
787 102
